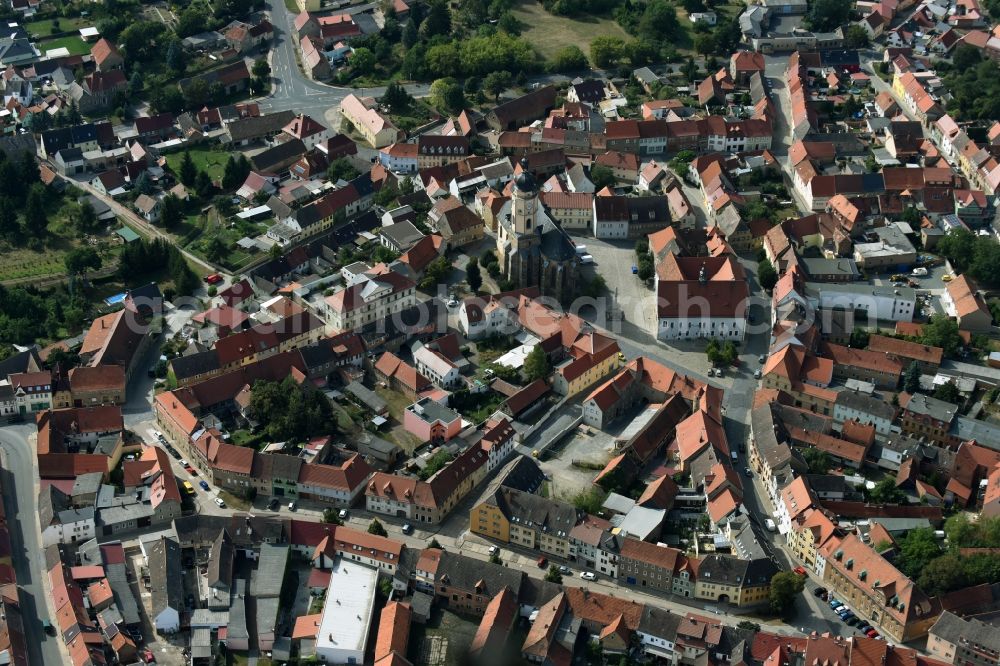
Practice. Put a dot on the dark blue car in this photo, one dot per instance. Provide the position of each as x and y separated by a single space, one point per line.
203 484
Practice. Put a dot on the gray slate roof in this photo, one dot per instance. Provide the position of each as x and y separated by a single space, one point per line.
166 576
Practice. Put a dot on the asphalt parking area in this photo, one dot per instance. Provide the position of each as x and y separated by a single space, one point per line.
613 260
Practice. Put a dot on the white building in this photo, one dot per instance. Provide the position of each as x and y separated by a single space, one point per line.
701 297
656 628
853 406
885 303
372 298
347 614
433 365
70 526
481 320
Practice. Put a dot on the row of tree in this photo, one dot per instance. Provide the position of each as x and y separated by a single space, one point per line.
144 258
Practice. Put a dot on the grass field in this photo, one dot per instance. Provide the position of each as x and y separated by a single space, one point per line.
212 161
549 33
74 44
45 28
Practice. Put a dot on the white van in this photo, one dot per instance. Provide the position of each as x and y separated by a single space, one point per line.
769 524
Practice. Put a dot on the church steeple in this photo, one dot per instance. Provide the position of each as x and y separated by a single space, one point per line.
525 201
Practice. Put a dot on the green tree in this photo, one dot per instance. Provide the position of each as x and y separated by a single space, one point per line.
375 527
855 37
958 246
602 176
495 83
176 57
605 51
704 43
235 172
659 21
911 380
171 211
553 575
36 219
569 59
79 260
916 550
86 219
818 461
215 249
261 69
472 274
886 492
332 516
396 99
646 268
948 392
341 169
188 172
447 95
786 586
495 557
860 338
942 331
363 61
536 364
766 275
438 21
827 15
747 624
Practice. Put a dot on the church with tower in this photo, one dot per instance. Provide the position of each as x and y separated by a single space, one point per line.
533 250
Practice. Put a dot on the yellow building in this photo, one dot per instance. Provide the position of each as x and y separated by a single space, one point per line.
593 357
532 522
876 590
734 581
376 129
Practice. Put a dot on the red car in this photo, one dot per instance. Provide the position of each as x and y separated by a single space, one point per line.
191 470
800 571
147 656
542 562
871 633
214 278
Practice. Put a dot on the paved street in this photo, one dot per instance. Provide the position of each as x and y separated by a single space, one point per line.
293 90
20 493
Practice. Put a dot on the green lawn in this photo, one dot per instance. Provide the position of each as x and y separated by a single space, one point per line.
206 159
44 28
549 32
74 44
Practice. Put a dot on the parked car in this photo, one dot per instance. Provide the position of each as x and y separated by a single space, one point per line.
213 278
840 609
273 504
407 528
542 562
191 470
800 571
588 575
757 374
746 470
852 621
494 550
218 500
564 569
292 505
834 602
204 484
871 633
819 591
343 514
